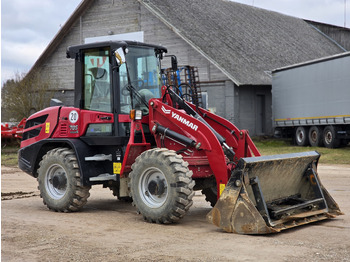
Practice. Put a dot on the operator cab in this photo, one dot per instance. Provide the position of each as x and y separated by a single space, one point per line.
115 77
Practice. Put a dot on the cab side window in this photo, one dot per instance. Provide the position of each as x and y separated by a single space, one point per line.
97 81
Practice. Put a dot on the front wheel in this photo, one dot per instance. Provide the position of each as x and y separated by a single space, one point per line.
161 185
59 181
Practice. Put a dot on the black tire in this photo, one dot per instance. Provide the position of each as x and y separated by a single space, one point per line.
329 137
211 195
161 186
59 181
302 136
316 136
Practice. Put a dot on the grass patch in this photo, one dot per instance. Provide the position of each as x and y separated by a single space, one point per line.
269 146
9 155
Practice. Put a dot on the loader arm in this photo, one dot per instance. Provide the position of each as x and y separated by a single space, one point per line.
176 99
210 147
206 146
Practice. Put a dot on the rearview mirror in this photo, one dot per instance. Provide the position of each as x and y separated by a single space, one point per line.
174 63
119 56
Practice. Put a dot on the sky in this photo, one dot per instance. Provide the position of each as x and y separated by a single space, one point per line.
28 26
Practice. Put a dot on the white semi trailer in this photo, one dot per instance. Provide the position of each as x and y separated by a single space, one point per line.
311 101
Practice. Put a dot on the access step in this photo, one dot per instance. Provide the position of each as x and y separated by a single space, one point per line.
99 157
103 177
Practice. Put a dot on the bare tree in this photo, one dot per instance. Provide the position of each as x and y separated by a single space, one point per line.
25 94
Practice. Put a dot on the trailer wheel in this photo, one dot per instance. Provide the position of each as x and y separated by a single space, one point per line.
161 186
329 137
59 181
301 136
316 136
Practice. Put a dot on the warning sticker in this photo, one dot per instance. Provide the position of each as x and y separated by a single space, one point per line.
117 167
47 128
222 187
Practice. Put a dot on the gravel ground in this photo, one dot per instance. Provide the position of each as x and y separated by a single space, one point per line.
111 230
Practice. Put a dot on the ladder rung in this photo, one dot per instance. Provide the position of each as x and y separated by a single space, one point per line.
99 157
104 177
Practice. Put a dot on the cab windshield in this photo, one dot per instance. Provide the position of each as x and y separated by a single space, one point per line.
145 81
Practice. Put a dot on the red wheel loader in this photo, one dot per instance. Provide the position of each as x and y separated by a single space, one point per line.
142 140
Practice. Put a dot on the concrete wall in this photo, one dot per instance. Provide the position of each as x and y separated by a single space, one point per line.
248 107
253 109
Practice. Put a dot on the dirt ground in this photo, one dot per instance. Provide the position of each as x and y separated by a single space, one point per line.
110 230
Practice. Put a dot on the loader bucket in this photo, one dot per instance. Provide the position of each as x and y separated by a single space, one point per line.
268 194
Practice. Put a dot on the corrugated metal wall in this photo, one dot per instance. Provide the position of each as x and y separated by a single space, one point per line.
312 91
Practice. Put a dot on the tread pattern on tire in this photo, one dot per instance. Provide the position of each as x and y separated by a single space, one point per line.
334 143
318 132
80 194
183 184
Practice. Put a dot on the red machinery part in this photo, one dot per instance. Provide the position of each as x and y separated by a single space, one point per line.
13 133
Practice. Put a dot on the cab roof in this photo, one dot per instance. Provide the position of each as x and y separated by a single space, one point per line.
72 51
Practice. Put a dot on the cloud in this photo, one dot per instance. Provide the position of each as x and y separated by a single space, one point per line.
20 16
325 11
27 27
18 53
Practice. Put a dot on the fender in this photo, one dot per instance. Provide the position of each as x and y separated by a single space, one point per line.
29 157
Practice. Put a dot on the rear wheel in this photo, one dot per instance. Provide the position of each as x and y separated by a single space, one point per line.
329 137
301 136
59 181
161 186
316 136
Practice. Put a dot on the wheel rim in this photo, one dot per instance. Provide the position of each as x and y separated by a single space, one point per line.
314 136
153 187
56 181
328 137
300 136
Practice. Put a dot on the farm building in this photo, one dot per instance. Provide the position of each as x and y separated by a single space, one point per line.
234 46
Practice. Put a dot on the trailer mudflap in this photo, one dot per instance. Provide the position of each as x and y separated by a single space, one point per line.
268 194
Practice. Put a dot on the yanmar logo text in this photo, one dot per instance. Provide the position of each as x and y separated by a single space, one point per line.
180 118
184 121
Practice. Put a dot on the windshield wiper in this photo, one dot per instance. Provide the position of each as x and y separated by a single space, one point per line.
133 91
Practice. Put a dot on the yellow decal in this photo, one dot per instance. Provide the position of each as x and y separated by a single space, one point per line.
47 128
222 187
117 167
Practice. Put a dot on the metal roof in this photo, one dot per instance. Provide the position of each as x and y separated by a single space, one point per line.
315 61
245 42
